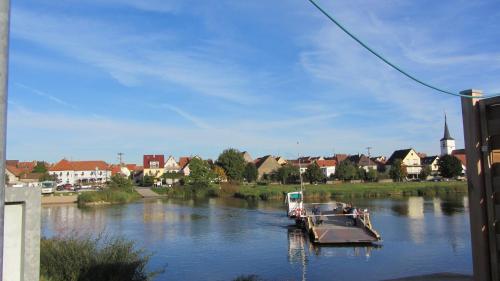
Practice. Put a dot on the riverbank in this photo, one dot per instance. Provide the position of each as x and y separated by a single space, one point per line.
320 191
107 196
353 190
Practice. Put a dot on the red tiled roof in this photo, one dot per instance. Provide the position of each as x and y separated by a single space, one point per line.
183 161
11 162
14 170
326 163
26 166
147 159
341 157
460 154
65 165
131 167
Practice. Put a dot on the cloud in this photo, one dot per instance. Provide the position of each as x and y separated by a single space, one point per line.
46 95
195 120
134 60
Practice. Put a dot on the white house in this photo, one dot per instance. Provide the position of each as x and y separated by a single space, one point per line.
171 166
81 172
327 167
409 158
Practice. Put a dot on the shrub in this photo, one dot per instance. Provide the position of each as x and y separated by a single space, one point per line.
86 259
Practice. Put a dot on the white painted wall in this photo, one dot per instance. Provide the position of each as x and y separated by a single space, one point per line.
13 240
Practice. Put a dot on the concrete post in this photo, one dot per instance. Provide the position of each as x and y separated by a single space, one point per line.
4 58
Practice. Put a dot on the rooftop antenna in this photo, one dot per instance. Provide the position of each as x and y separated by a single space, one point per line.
368 149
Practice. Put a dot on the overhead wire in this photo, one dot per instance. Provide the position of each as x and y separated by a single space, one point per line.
332 19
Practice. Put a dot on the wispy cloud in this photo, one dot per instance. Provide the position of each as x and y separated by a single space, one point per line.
195 120
46 95
108 48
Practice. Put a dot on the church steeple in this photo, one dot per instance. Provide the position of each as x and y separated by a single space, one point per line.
447 142
446 131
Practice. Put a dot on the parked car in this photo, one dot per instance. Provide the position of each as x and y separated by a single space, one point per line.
69 187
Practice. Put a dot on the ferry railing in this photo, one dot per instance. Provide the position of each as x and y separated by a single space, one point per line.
363 217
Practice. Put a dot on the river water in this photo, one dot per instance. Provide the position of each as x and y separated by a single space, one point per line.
221 239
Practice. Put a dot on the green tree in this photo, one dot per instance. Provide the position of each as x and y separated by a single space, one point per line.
398 170
425 172
449 166
40 168
47 177
371 175
200 173
314 174
287 174
147 180
121 182
233 163
220 173
346 170
250 173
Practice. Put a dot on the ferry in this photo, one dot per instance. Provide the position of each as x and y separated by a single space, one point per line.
331 223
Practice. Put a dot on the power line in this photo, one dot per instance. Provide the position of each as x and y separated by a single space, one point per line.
388 62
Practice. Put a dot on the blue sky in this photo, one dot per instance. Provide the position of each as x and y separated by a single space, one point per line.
89 79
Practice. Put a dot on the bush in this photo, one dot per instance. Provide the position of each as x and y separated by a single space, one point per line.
107 195
89 259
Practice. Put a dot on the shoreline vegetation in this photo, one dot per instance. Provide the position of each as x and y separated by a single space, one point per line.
84 258
120 190
320 191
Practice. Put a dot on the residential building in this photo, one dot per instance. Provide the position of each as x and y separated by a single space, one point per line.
410 160
301 164
327 167
460 154
154 165
281 160
171 166
431 162
81 172
266 165
184 165
13 174
247 157
340 157
362 161
447 142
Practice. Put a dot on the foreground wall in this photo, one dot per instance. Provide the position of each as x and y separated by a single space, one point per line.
22 234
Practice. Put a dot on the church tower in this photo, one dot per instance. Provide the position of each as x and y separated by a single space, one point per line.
447 142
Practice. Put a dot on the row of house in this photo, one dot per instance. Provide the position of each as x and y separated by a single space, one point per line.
155 165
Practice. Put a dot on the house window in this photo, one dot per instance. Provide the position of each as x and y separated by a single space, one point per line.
82 174
100 173
154 164
60 174
67 174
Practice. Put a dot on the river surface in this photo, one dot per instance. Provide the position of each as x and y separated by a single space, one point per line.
221 239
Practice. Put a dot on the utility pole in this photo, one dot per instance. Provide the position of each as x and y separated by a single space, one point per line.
120 158
4 68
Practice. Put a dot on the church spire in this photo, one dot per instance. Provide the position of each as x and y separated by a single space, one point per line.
446 131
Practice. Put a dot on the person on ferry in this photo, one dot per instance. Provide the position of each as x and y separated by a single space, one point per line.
354 213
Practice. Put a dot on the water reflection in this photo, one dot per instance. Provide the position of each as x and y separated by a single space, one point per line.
224 238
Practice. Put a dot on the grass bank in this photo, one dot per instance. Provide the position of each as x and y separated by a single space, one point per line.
320 191
119 190
107 196
352 190
188 191
86 259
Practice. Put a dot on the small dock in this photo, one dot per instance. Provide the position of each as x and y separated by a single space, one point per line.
334 227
